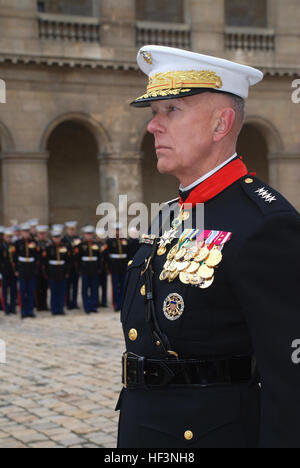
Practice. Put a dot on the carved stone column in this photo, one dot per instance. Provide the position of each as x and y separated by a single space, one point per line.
120 174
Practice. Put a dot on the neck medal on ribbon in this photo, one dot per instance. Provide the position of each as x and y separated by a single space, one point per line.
194 258
170 235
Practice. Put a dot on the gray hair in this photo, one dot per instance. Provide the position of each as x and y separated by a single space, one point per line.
239 106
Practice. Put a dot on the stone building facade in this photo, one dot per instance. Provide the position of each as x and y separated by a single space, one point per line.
68 137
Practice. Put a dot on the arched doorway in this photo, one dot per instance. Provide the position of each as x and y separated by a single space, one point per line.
73 174
157 187
253 147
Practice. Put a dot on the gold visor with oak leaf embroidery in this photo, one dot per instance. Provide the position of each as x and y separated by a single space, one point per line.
176 82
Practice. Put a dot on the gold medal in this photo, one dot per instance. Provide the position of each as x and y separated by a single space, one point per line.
167 265
164 275
143 290
180 254
184 277
188 256
194 279
206 272
162 250
204 284
173 266
172 252
173 275
181 266
203 254
215 257
194 266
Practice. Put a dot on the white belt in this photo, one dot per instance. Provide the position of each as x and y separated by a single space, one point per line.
26 260
57 262
89 259
118 256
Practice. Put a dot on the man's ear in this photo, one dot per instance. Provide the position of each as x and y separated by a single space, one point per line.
225 123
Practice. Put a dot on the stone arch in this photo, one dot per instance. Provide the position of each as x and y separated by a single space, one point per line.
270 132
7 144
6 139
258 140
96 128
73 142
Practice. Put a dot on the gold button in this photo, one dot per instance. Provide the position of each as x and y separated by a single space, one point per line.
143 290
158 343
133 334
130 262
249 180
188 435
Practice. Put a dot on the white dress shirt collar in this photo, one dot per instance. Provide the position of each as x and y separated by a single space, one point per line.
206 176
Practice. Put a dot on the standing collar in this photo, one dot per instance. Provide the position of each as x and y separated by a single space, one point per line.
215 183
206 176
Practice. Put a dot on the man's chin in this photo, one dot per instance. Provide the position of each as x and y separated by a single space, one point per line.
164 168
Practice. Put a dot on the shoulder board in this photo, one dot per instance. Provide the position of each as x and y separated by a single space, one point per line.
265 197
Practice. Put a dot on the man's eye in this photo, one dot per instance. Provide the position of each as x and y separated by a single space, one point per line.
173 108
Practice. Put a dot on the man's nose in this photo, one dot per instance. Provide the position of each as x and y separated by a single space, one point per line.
155 125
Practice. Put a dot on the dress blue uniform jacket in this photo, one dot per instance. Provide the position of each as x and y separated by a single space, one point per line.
253 307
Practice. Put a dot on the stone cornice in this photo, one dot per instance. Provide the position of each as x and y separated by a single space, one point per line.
66 62
24 156
284 157
52 61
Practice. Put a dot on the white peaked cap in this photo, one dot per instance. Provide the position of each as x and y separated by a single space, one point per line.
58 227
56 232
42 228
33 222
88 229
25 227
177 73
8 232
71 224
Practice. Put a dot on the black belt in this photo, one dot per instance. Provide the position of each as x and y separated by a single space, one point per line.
140 372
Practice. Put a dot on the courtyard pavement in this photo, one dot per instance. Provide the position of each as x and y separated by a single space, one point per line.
61 381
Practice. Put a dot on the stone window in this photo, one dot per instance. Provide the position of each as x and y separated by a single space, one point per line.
160 11
249 13
67 7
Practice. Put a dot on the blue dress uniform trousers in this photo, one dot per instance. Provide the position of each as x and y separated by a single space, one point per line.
27 289
58 290
90 292
72 290
118 281
103 286
10 290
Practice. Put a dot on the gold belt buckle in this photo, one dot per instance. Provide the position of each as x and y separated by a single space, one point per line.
125 356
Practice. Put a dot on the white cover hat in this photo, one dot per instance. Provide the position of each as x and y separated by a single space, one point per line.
42 229
88 229
71 224
56 232
33 222
175 73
